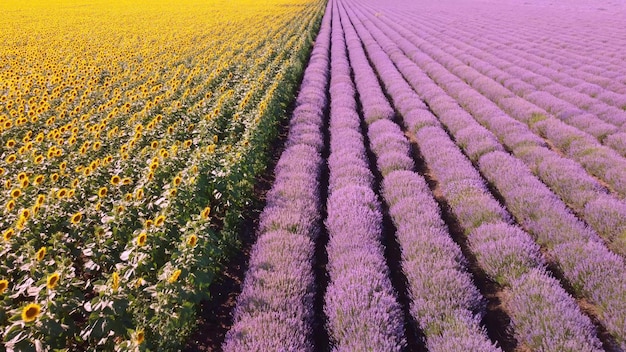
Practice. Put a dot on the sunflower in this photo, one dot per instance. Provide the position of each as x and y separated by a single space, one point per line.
11 143
4 285
174 277
115 180
40 199
16 193
139 194
205 213
102 192
7 234
11 158
52 281
192 240
115 281
30 312
139 337
21 223
142 238
177 181
54 177
39 179
41 253
160 220
10 205
62 193
76 218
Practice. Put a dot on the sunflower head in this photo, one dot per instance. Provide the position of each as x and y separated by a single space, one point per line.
41 253
115 281
139 336
174 277
142 238
52 280
16 193
115 180
192 240
205 213
8 234
4 285
160 220
31 312
76 218
102 192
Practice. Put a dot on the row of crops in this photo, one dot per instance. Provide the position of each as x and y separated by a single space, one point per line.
131 136
492 148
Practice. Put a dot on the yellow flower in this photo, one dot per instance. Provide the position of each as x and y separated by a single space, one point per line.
148 224
41 253
205 213
75 219
11 143
11 158
139 194
16 193
173 192
127 181
115 281
142 238
160 220
115 180
52 281
177 180
174 277
31 312
102 192
192 240
54 177
4 285
21 223
38 159
62 193
139 337
25 213
10 205
39 179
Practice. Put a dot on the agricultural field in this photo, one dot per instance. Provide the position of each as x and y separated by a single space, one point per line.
131 136
454 179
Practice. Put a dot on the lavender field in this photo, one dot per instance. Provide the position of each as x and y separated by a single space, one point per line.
454 179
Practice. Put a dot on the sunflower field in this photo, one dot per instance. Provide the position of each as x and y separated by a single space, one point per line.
131 135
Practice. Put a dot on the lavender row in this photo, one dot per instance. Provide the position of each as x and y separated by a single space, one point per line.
606 214
579 47
584 60
274 311
598 160
519 59
544 327
360 303
444 300
563 103
538 210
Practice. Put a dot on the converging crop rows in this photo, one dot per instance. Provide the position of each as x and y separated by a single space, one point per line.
463 176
